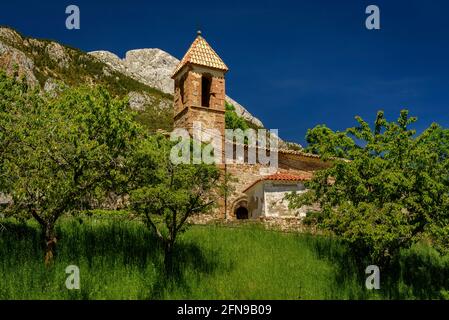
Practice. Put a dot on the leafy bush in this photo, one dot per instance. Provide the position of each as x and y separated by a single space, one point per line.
232 120
390 191
154 119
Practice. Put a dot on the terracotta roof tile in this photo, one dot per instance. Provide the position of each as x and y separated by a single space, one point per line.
288 177
283 177
201 53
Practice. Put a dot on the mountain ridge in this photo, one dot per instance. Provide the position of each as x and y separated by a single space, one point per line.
143 76
154 67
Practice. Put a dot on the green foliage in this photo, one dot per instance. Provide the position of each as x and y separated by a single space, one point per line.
153 119
232 120
323 141
63 154
165 194
393 192
79 67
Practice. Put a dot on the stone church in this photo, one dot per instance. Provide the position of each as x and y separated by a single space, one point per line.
199 96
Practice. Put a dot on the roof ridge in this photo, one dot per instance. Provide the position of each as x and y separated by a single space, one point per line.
201 53
279 176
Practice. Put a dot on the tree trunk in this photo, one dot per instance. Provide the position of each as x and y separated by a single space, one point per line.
168 258
50 244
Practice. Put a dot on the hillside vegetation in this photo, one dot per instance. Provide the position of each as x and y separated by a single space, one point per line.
55 66
52 66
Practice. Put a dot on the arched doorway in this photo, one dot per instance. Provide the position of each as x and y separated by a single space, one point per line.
239 208
241 213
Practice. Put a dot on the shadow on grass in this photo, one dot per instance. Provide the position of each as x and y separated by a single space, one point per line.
419 272
15 235
110 243
188 259
19 230
349 276
118 240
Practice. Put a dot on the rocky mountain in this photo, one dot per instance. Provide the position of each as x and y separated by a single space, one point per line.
53 66
143 75
150 66
10 57
154 68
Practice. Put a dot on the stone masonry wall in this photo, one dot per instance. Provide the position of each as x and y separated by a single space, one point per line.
247 175
189 109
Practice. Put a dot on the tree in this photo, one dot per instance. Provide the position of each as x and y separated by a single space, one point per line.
166 195
391 190
232 120
226 188
60 155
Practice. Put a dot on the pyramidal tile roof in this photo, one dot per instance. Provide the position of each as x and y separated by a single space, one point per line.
201 53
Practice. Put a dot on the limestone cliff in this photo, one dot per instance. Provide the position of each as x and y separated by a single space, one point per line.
52 66
154 68
144 75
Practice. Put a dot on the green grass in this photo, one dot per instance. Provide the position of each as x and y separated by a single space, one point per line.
257 264
119 259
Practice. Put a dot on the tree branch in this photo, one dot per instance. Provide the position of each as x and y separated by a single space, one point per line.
152 226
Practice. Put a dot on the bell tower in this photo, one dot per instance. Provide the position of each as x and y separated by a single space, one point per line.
200 88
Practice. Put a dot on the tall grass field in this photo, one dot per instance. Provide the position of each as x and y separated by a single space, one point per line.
120 259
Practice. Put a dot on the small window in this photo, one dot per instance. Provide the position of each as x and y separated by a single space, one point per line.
181 89
206 82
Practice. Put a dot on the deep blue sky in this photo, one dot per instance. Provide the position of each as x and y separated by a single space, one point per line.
293 64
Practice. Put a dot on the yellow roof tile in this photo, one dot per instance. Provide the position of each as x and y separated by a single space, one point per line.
201 53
